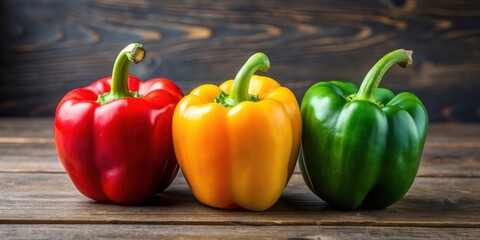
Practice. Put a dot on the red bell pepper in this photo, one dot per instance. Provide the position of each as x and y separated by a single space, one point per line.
114 137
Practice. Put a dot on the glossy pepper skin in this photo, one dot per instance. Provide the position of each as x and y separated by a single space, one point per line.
237 144
362 146
114 137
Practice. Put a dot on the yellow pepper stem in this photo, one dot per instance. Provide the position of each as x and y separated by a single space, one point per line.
239 91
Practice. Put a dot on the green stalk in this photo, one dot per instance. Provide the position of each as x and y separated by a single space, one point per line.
135 53
374 76
239 91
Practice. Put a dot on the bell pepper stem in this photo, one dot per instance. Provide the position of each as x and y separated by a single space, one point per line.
135 53
374 76
239 91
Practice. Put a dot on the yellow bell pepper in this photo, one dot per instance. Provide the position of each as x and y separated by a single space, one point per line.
237 144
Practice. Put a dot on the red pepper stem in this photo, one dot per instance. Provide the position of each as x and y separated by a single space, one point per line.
374 76
135 53
239 91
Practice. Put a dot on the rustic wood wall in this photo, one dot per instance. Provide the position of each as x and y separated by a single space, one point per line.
52 46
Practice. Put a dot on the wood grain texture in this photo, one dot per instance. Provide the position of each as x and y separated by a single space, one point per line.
52 199
439 134
26 145
26 128
122 231
21 157
436 161
50 47
40 202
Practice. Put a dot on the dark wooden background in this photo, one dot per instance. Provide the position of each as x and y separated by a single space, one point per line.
52 46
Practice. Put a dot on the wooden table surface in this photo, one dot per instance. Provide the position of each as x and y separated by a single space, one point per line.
39 201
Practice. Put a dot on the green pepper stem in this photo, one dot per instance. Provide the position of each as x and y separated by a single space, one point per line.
239 91
135 53
374 76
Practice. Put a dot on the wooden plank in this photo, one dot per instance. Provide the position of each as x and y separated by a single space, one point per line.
51 50
453 135
450 162
436 161
26 145
138 231
29 157
12 130
40 130
52 199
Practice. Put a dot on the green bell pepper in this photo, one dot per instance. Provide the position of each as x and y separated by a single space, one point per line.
362 147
